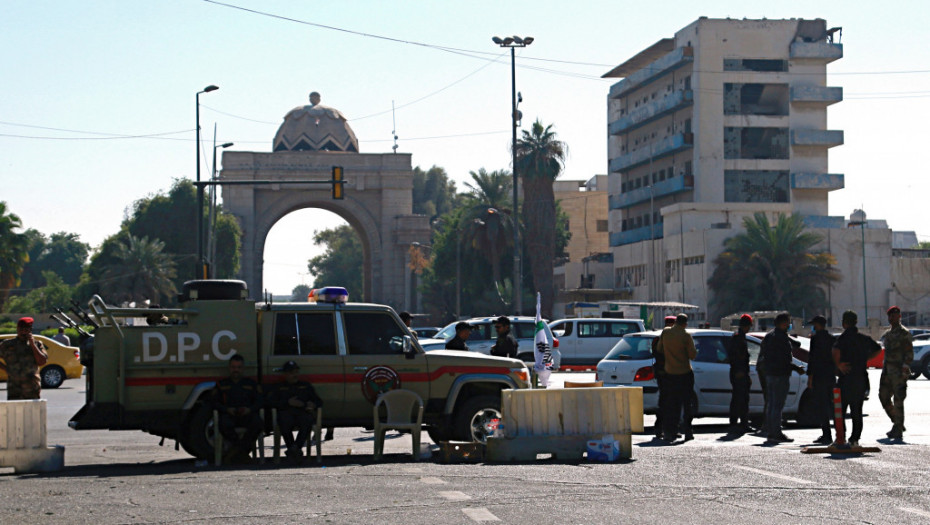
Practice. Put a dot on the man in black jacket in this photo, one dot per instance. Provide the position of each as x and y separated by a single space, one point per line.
506 345
462 331
738 356
822 376
296 402
776 350
238 400
851 354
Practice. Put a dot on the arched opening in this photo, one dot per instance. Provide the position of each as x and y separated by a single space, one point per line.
343 255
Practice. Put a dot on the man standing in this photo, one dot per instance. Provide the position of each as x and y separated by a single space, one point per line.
677 349
659 368
62 337
462 332
899 352
506 345
23 356
776 351
238 400
738 356
822 376
296 402
851 354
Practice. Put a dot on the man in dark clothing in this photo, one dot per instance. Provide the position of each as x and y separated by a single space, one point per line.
822 376
851 354
462 331
738 356
776 350
296 402
676 346
23 356
659 368
506 345
238 400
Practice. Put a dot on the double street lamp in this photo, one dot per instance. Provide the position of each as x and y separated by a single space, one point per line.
200 269
513 43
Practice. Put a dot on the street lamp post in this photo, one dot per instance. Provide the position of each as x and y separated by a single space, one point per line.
858 218
199 270
513 43
211 240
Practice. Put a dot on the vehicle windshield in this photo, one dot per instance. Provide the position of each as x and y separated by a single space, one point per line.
631 347
446 333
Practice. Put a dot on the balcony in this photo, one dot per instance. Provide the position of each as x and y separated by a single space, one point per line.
817 181
669 62
661 189
657 150
651 111
823 138
820 95
822 51
639 234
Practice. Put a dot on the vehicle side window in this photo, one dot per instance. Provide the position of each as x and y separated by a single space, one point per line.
711 349
567 326
592 329
621 329
754 350
480 332
524 330
304 334
373 333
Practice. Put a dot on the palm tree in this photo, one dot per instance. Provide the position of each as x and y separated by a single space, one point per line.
540 158
492 190
14 252
141 270
772 267
489 232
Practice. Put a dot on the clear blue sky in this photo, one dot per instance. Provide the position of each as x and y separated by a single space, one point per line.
132 68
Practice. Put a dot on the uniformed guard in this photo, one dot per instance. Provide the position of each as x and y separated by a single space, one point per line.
851 353
738 356
462 332
506 345
238 400
776 350
23 355
899 352
296 401
821 377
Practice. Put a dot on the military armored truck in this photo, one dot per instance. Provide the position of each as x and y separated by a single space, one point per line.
152 369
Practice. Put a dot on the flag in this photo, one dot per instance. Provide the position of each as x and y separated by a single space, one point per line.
542 354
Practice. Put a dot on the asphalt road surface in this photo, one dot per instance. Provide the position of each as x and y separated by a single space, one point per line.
125 477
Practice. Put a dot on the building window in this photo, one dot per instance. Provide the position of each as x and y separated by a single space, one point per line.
755 64
755 143
756 186
755 99
602 225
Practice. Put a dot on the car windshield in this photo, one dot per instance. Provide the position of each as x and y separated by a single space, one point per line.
631 347
446 333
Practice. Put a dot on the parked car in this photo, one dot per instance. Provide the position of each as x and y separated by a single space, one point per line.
630 363
425 332
64 362
587 341
921 362
483 336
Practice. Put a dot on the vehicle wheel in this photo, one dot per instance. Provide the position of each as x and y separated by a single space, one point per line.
925 364
438 434
52 376
475 418
914 374
198 439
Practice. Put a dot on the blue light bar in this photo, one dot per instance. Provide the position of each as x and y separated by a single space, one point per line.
332 294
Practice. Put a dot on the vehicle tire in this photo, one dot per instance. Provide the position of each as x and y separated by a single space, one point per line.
439 434
914 374
198 435
925 364
52 376
474 416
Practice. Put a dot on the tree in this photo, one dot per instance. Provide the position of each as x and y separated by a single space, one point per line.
141 271
540 158
14 252
54 293
341 264
492 190
489 232
63 254
772 267
299 293
433 192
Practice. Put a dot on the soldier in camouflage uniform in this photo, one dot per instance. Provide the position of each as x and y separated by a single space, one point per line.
23 356
899 352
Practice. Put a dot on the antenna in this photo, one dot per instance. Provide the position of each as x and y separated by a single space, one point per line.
394 131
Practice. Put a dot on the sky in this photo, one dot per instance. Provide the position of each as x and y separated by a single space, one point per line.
97 107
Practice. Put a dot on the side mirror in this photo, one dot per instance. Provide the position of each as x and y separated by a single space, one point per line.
409 351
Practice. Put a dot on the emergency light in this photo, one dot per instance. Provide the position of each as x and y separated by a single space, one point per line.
332 294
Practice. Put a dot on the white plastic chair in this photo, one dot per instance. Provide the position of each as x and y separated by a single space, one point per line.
399 405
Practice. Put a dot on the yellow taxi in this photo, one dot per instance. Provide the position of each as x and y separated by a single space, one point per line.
64 362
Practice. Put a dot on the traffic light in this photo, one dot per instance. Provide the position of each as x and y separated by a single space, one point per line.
338 192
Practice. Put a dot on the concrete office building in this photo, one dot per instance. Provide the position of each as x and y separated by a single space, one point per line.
723 120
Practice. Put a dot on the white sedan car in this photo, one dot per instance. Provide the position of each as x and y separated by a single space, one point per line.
630 363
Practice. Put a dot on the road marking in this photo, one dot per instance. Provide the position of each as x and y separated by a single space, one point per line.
480 514
432 481
454 495
774 475
916 511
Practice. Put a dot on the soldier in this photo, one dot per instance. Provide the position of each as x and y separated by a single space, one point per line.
822 376
851 354
738 356
899 352
776 350
296 402
462 331
23 355
238 400
506 345
659 368
677 348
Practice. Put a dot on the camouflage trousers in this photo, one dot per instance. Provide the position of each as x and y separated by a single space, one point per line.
892 390
28 388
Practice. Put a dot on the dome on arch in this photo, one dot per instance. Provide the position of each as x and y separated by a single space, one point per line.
315 128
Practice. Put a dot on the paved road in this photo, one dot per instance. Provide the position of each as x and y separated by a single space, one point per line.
125 477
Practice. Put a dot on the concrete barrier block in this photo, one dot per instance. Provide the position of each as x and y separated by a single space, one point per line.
28 460
23 438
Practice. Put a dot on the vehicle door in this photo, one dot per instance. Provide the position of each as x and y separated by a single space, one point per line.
756 397
375 361
712 374
309 339
568 340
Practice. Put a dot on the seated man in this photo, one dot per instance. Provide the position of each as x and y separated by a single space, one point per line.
296 402
238 400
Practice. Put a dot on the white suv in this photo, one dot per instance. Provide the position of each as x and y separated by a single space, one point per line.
483 336
587 341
